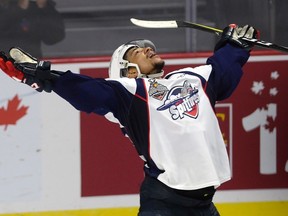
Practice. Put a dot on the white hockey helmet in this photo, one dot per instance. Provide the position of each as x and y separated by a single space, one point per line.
119 66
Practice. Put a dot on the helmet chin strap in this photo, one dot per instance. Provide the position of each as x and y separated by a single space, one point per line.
140 75
156 75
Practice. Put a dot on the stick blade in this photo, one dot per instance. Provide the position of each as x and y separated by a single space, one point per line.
154 24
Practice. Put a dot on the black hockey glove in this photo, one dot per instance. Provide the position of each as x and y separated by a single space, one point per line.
36 74
233 34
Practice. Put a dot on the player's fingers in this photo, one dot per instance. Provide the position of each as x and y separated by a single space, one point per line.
3 65
10 66
13 72
242 31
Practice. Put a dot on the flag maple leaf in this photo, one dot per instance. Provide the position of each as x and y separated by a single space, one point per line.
12 113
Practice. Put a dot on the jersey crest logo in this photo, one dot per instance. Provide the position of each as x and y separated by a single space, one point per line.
157 90
182 101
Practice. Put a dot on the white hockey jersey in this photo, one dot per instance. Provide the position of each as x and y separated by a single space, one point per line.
170 121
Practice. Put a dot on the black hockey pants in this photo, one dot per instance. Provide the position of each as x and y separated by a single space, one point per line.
156 199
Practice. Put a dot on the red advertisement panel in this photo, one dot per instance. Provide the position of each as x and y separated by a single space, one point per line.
259 128
253 123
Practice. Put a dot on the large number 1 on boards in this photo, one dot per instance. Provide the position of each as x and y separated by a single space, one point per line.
263 118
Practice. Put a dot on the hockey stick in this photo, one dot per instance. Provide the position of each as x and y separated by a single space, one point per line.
184 24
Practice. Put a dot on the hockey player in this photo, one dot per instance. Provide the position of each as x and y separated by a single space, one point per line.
170 120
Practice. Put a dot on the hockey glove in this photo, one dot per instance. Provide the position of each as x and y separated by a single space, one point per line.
27 69
234 34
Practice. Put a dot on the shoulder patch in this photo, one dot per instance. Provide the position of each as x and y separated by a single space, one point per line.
157 90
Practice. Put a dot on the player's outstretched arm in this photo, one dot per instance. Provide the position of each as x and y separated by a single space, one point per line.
24 68
82 92
231 54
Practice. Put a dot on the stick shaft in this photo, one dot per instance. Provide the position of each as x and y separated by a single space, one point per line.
199 27
185 24
260 43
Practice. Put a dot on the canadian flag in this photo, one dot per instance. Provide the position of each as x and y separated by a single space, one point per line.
20 142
